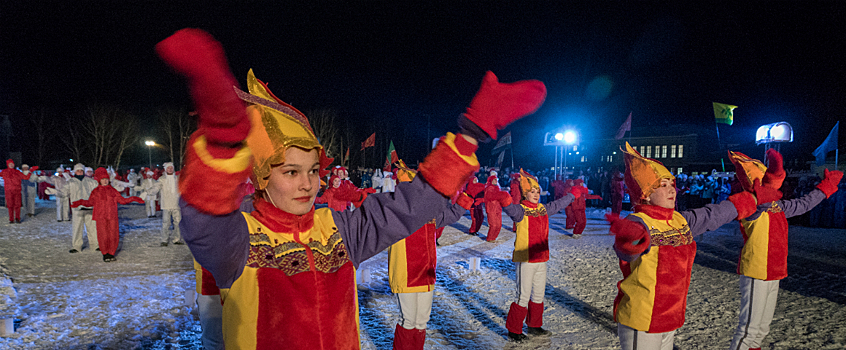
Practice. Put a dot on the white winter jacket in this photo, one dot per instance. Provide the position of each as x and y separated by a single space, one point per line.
76 189
168 187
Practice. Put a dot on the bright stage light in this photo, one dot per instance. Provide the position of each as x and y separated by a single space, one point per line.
559 136
569 137
775 132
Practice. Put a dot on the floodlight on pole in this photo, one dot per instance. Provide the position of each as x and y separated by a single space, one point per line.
559 136
569 137
773 133
149 152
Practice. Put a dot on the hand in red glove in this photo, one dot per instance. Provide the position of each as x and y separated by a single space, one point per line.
765 194
504 198
370 190
578 191
34 168
631 238
775 174
200 58
465 201
829 184
498 104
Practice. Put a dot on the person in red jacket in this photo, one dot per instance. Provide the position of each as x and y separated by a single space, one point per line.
617 192
578 207
476 190
12 184
342 194
763 258
104 199
494 197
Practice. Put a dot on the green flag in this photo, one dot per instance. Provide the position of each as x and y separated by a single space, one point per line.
391 158
724 113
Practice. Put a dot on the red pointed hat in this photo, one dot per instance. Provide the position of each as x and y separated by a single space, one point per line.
101 173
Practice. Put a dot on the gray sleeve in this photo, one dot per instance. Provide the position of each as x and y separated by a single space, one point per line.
385 218
220 243
560 203
801 205
709 217
453 213
515 212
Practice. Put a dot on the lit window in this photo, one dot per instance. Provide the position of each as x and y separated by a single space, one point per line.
648 151
673 151
664 151
680 170
641 150
583 159
681 151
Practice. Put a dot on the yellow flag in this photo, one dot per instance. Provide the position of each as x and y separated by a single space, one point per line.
724 113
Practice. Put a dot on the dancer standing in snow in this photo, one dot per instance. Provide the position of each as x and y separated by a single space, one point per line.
531 253
476 190
59 180
287 271
12 186
105 199
167 185
79 187
29 187
763 258
578 208
656 249
411 272
148 186
494 199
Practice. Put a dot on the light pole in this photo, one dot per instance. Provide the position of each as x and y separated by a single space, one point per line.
149 152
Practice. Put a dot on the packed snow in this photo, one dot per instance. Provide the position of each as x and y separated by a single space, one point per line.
143 300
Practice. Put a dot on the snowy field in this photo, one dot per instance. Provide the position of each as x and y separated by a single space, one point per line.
76 301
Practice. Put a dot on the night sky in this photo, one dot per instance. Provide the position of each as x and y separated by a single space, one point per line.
412 68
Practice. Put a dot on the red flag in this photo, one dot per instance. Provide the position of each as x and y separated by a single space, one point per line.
370 142
627 126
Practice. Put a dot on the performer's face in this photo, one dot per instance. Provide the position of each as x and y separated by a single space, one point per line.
293 185
104 181
169 170
533 196
665 195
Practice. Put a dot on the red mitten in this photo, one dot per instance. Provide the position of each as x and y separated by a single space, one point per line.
631 238
200 58
504 198
578 191
775 174
745 204
34 168
370 190
829 184
76 204
498 104
764 193
465 201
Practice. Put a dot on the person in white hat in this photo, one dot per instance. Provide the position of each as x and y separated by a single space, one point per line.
148 186
79 187
167 186
59 181
132 178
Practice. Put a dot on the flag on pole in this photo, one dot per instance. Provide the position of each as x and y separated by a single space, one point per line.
503 144
370 142
724 113
627 126
391 157
830 144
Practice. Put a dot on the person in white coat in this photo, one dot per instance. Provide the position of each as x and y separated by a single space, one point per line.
59 180
376 179
388 182
168 187
79 187
148 186
132 178
29 188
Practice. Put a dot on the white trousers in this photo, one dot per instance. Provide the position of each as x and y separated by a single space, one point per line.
62 206
758 300
531 282
415 308
632 339
28 198
83 218
150 204
211 320
176 216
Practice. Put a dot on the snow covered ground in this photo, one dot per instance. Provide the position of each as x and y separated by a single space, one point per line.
76 301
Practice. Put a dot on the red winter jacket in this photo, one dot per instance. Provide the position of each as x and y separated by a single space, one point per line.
104 199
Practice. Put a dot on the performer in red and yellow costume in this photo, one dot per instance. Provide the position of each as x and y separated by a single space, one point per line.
763 259
656 250
494 199
531 252
286 271
411 271
578 207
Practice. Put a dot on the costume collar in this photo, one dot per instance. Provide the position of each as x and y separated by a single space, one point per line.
281 221
655 212
529 204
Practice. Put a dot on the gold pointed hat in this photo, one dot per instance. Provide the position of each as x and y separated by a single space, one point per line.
404 173
276 126
527 182
643 175
747 169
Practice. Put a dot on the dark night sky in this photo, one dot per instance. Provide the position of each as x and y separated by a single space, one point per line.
406 64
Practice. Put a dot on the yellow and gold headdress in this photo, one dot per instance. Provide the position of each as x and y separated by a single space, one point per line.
404 173
747 169
527 182
643 175
276 126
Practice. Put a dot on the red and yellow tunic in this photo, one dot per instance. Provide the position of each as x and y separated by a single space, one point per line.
296 276
532 242
764 253
653 293
206 285
412 261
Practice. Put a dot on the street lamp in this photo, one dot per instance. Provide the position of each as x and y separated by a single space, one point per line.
149 154
773 133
